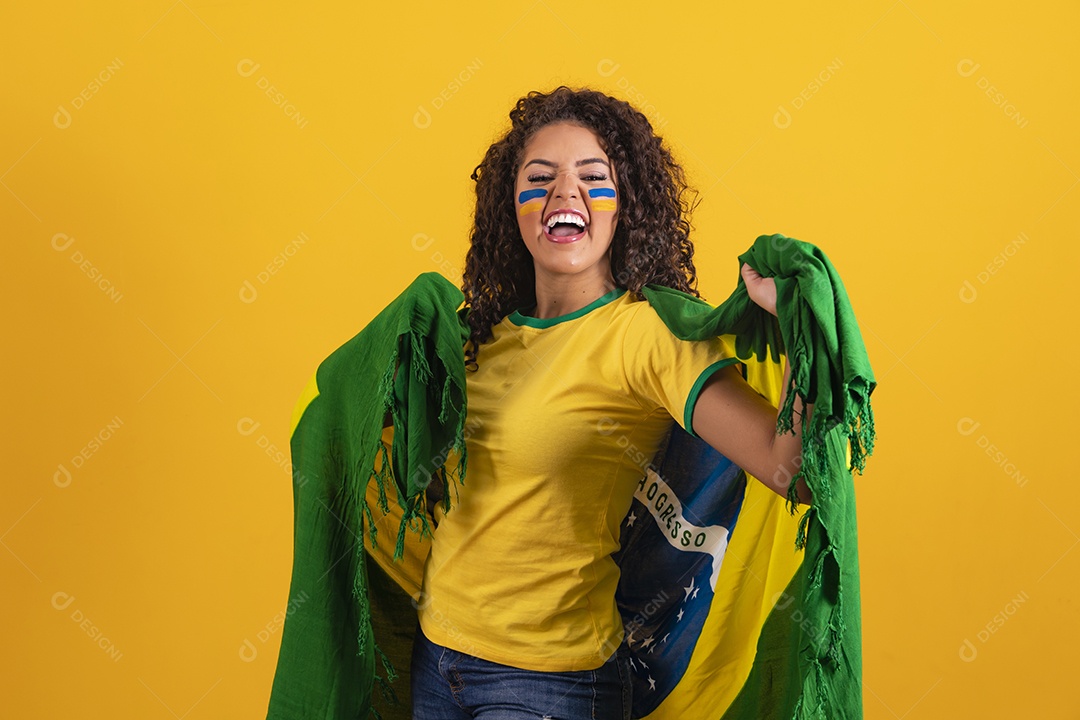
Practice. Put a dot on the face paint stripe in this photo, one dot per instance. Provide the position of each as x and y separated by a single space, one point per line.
532 207
603 205
527 195
601 193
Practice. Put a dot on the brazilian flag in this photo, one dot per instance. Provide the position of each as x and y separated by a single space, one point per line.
736 604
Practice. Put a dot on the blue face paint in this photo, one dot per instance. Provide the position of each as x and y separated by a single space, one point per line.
527 195
601 193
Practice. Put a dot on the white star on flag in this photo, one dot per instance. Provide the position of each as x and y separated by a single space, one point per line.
689 589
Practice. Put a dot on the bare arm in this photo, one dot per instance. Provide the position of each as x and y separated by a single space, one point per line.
738 422
733 418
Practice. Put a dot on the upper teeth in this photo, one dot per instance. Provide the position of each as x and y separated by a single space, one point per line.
565 218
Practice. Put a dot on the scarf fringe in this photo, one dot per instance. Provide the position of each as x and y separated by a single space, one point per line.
391 673
859 421
414 514
414 509
359 592
826 651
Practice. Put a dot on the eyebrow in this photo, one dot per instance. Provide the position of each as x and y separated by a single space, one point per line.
579 163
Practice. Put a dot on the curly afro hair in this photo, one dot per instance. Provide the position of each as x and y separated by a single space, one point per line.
652 237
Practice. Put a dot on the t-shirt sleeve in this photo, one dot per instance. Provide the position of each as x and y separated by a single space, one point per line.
664 371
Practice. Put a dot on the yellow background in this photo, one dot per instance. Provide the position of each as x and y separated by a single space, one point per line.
216 242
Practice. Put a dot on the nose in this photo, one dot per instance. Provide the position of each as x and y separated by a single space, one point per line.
566 185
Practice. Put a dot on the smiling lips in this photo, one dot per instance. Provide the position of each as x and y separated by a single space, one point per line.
559 225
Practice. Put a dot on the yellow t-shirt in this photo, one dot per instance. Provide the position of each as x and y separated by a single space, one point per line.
564 414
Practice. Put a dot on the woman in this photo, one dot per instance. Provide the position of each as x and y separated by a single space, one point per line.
578 207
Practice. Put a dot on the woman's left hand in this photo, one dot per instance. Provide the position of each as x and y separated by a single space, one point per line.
762 290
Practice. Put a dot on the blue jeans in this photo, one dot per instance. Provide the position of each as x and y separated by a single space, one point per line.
450 685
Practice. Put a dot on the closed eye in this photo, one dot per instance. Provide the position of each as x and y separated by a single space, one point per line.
548 178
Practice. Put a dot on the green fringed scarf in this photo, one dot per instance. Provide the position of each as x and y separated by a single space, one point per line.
830 370
408 362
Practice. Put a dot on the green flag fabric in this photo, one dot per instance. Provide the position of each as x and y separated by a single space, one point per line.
327 662
798 653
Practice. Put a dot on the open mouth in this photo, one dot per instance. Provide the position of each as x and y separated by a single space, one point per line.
564 227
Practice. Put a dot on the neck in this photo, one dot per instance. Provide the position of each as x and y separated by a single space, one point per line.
562 294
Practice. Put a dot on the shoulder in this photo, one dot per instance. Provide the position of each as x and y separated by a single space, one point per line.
638 310
654 331
664 311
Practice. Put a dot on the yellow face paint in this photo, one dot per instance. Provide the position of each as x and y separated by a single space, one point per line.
603 199
531 201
